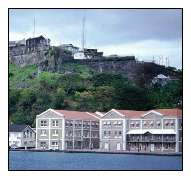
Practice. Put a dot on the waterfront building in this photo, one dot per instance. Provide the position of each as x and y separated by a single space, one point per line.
67 130
21 136
157 130
112 131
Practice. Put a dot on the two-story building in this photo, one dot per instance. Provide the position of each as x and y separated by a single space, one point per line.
21 136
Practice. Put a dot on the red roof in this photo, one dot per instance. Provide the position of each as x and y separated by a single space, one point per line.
170 112
131 113
79 115
174 112
76 115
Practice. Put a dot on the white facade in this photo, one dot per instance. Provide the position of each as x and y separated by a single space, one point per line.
79 55
152 131
15 139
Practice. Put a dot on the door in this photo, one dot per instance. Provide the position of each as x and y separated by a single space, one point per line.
118 146
152 147
106 146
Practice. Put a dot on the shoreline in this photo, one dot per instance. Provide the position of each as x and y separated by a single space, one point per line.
102 152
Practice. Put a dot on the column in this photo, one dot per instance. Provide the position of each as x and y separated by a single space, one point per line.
49 121
177 136
73 134
124 134
63 134
90 144
82 130
36 132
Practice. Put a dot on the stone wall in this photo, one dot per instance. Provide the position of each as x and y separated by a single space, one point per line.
53 60
28 58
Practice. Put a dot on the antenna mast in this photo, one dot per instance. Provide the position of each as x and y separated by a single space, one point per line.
83 32
34 28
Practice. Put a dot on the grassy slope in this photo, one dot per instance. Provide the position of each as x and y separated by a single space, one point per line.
27 76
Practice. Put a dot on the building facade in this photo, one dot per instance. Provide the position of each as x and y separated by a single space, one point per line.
21 136
156 131
66 130
112 131
71 48
142 131
37 43
88 54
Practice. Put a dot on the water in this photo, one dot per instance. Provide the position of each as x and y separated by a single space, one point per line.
25 160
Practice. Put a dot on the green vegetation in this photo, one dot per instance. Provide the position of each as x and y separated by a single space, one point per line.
81 89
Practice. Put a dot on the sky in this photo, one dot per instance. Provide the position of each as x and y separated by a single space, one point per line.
146 33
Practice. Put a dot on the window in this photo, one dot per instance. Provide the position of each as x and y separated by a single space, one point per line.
132 124
55 123
115 122
24 135
43 123
104 132
172 123
43 133
166 123
120 132
69 133
119 123
151 124
108 123
137 124
158 123
42 144
67 123
54 143
55 133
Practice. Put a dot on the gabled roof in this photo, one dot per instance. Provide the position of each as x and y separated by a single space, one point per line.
39 37
76 115
17 127
173 112
131 113
113 111
170 112
162 76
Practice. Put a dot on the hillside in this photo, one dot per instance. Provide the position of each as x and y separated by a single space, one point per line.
81 88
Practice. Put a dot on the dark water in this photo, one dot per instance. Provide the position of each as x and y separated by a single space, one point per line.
24 160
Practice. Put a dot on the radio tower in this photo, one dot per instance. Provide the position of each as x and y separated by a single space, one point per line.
83 32
34 28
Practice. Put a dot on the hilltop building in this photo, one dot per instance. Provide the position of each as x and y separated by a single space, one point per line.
161 80
37 43
29 45
88 54
71 48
